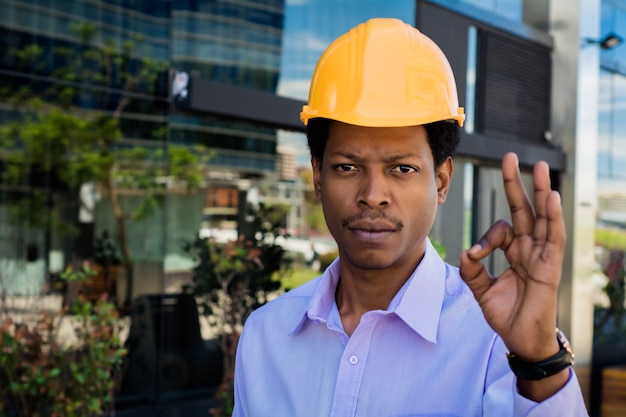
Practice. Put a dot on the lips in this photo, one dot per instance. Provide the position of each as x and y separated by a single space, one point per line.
372 226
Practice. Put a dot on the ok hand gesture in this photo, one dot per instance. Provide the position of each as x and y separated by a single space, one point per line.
521 304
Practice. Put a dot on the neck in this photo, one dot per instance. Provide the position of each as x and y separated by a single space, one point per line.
361 291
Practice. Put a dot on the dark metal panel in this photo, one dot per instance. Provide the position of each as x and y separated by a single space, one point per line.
244 103
449 31
486 148
516 89
513 87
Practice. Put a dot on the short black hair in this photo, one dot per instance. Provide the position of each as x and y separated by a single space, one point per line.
443 138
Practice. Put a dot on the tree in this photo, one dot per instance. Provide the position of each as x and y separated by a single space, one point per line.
67 131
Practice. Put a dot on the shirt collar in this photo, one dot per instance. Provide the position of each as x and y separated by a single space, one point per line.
418 303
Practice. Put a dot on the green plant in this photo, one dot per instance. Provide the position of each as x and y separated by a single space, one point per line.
41 376
439 247
610 238
298 276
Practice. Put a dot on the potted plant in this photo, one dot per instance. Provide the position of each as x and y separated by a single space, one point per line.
60 362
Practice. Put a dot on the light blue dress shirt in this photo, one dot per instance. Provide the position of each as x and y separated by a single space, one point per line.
431 353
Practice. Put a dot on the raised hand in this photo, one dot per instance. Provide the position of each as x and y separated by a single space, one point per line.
521 304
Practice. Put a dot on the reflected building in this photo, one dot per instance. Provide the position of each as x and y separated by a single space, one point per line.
235 44
228 43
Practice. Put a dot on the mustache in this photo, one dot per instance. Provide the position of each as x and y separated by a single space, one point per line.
372 215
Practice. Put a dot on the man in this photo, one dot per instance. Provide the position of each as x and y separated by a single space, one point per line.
389 329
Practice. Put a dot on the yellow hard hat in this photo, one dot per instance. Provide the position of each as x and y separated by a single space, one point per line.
383 73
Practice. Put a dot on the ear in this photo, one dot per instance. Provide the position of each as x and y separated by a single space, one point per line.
444 178
316 164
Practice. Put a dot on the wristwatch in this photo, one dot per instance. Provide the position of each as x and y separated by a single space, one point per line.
535 371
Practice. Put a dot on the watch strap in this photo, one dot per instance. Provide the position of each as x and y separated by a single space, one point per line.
535 371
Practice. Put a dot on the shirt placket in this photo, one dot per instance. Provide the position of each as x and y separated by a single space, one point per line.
352 368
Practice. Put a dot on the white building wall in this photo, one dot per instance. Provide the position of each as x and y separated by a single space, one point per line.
575 128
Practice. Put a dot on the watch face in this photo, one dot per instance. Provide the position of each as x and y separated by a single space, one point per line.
565 343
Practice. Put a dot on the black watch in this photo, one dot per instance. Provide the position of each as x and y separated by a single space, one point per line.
535 371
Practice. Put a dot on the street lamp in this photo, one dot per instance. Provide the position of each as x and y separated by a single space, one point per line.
610 41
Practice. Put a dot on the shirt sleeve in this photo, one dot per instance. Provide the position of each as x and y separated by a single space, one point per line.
502 397
239 406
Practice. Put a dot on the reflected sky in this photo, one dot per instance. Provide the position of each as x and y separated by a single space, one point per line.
612 127
612 100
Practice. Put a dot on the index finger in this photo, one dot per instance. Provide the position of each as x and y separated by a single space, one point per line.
520 206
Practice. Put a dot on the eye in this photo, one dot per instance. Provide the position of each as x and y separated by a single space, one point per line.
405 169
345 167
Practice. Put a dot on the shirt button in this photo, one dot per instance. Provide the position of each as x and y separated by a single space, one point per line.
353 359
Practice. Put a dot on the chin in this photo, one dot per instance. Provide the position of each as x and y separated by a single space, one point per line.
370 262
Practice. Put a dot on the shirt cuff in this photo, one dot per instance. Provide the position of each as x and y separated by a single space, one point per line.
568 401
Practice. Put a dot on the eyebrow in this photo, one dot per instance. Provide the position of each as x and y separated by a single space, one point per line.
396 158
390 159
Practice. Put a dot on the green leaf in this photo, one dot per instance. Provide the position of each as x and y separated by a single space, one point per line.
79 377
7 339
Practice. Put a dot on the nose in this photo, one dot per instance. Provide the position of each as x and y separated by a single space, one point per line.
374 190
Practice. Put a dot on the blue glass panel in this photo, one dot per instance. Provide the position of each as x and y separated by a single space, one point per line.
6 14
160 53
619 53
618 149
613 20
63 26
62 4
508 9
45 23
156 8
604 125
24 18
606 18
470 89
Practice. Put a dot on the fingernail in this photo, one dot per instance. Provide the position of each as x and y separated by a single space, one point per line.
475 248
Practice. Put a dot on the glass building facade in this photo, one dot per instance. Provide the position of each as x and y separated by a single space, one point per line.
611 213
612 120
182 73
612 139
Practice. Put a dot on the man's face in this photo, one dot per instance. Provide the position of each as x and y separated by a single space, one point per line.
379 191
